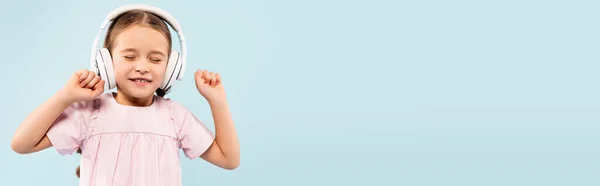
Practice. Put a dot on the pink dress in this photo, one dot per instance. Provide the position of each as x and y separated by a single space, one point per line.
127 145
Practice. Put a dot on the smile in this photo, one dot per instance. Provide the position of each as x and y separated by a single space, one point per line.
141 81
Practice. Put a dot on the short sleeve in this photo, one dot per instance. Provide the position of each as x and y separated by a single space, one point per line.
194 136
68 131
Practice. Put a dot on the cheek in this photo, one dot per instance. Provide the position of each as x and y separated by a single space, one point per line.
120 69
159 70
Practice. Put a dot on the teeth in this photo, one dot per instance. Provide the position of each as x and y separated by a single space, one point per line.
141 80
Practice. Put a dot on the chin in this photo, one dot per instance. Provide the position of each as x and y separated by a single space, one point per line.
140 94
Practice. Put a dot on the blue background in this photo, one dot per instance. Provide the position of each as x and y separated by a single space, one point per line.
330 92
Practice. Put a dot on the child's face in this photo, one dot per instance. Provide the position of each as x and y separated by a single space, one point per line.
140 53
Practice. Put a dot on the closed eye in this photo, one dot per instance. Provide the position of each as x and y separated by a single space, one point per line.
155 60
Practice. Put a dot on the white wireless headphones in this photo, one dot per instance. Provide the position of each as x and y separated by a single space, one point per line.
101 61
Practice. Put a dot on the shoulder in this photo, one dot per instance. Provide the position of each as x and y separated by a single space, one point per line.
176 110
170 104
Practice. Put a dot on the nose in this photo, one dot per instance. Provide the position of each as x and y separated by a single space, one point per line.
141 66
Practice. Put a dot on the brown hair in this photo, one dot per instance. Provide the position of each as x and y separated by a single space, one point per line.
129 19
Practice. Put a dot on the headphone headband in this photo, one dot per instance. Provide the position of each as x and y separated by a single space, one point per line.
166 16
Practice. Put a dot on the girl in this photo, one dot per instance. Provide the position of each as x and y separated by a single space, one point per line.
131 136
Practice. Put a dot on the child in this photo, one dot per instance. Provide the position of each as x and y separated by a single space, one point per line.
131 137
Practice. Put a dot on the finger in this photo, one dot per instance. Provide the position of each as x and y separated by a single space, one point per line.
80 72
87 80
206 76
83 75
93 83
98 88
198 76
99 85
218 77
75 78
213 79
198 73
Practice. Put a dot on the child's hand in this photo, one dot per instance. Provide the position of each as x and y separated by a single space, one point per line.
83 85
209 85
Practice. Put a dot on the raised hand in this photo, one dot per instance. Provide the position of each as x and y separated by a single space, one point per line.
209 85
83 85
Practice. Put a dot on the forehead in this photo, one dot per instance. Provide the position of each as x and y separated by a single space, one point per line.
142 38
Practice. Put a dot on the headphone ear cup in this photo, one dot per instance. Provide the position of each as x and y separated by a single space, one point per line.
172 71
105 68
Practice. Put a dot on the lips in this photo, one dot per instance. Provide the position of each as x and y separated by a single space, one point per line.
140 80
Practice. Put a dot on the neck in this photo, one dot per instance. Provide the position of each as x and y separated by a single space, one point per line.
123 99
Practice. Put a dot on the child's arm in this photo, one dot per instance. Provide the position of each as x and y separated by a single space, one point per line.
31 134
225 149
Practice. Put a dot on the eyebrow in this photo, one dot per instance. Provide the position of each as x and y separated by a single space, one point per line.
151 52
129 50
157 52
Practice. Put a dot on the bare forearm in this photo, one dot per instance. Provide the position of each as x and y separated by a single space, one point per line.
34 127
226 135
